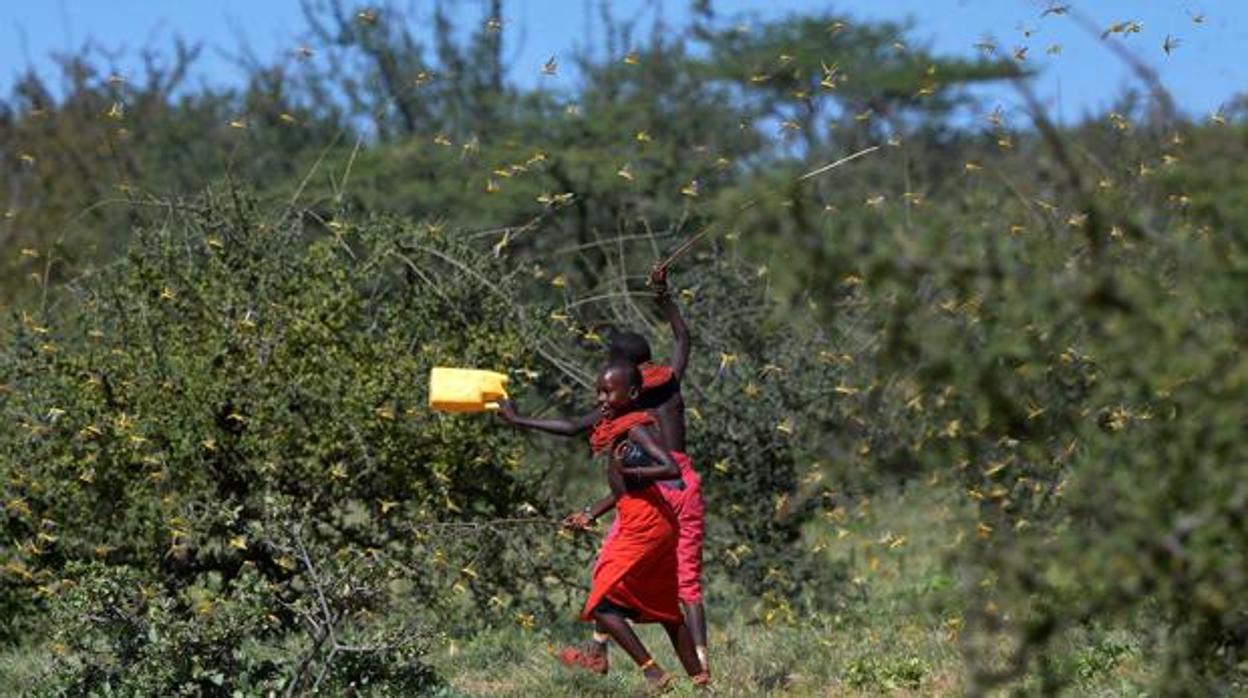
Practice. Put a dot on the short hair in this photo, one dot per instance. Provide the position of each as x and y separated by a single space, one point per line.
628 346
630 371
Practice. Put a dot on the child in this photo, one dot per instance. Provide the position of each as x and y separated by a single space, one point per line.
662 396
635 577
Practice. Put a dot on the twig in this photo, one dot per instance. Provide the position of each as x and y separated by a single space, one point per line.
604 296
1137 66
833 165
684 247
483 525
316 580
687 244
312 170
346 175
566 367
609 241
323 631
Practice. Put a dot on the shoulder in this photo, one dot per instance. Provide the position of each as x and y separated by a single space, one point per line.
656 396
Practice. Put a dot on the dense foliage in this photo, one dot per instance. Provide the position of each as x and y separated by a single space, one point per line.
218 473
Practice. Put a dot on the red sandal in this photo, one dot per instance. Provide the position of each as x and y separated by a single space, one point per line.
575 657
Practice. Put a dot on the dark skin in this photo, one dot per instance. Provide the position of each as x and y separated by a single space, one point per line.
617 395
671 417
670 414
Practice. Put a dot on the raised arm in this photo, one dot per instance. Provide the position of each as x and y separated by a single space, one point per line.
666 468
680 357
559 427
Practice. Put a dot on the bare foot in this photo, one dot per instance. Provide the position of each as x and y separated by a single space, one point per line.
658 681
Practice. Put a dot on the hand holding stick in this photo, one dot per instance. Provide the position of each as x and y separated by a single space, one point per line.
658 279
677 253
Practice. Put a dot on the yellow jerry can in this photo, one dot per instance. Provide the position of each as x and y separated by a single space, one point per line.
465 389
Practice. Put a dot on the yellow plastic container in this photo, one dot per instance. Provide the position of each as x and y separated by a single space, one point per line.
465 389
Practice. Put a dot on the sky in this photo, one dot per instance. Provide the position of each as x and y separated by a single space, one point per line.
1204 72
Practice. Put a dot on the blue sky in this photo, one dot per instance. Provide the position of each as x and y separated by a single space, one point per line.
1205 71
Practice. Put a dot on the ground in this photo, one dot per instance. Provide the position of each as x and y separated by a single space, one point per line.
896 635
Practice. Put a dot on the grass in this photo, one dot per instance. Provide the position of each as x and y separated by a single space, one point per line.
885 633
892 627
893 632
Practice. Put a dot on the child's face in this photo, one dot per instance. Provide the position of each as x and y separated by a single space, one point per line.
615 395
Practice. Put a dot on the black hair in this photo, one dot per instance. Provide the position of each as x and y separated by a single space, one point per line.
631 373
628 346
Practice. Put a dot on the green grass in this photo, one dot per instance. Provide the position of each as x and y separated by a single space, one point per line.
19 667
889 632
894 631
892 628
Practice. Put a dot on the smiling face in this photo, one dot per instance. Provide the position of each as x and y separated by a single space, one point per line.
618 387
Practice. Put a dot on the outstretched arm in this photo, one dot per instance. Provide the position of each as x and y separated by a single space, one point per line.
666 468
680 358
559 427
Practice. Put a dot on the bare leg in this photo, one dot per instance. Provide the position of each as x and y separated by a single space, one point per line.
682 641
598 647
622 632
695 618
618 628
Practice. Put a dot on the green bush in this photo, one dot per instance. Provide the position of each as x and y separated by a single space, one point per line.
223 454
1082 381
231 379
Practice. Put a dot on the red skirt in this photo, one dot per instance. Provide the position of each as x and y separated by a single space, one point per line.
637 566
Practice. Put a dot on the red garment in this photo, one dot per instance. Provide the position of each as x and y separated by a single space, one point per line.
637 567
691 517
608 430
654 375
691 521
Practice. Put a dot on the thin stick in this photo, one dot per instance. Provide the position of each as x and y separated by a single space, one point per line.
294 199
490 523
684 246
838 163
567 367
346 175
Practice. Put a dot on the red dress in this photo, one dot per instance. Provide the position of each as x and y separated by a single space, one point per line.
686 502
637 566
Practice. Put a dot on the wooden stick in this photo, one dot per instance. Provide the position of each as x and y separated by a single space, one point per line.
838 163
684 246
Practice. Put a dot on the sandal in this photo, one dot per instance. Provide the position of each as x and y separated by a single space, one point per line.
664 683
575 657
